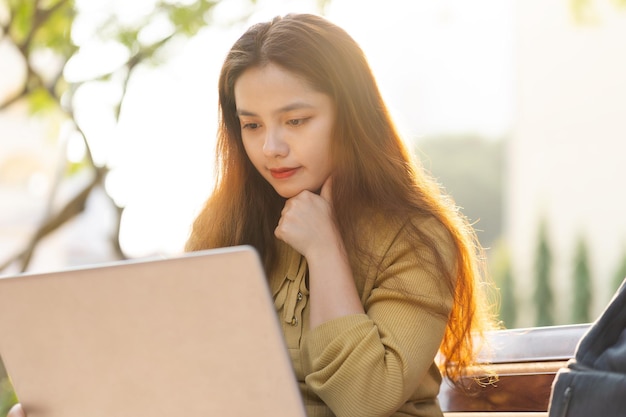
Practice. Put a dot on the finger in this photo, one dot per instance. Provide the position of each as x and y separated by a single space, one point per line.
326 192
16 411
278 229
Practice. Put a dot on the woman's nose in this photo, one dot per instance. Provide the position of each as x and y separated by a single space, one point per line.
274 144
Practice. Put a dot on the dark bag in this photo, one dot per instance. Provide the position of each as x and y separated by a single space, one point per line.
594 381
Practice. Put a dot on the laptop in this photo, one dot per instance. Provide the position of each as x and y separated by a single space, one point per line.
191 335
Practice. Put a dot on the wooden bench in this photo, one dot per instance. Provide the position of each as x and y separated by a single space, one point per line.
525 362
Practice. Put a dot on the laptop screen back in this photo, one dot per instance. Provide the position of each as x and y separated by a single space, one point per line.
194 335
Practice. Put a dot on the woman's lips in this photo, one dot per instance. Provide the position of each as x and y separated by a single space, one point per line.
282 173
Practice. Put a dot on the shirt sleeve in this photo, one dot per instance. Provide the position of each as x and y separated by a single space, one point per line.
371 364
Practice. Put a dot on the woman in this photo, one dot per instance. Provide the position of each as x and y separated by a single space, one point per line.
372 269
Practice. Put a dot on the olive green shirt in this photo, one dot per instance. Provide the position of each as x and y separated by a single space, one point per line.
380 363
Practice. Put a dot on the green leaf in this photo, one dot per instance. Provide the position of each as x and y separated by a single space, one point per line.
22 12
55 34
40 101
188 20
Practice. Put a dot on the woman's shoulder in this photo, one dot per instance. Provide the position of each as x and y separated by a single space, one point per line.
381 224
416 242
379 231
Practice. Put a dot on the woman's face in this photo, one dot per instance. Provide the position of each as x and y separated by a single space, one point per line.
286 128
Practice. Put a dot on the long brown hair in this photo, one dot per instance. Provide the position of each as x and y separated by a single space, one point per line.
372 167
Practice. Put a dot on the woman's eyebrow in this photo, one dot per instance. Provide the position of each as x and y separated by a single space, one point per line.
289 107
294 106
242 112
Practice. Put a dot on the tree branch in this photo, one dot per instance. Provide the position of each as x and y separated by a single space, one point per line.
72 209
40 17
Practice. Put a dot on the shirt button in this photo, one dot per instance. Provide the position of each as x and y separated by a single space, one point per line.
299 296
294 321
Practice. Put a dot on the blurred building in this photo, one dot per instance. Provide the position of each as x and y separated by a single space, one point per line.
567 157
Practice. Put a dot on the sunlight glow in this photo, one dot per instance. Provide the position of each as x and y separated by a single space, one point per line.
161 152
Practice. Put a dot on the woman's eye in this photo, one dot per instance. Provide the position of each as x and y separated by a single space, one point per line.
296 122
250 126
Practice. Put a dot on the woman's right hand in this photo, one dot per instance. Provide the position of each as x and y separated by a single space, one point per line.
16 411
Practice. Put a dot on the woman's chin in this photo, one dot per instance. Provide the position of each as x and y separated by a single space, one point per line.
290 193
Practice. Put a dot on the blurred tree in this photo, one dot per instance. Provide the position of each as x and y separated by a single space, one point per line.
38 28
581 303
543 269
620 272
502 273
470 169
